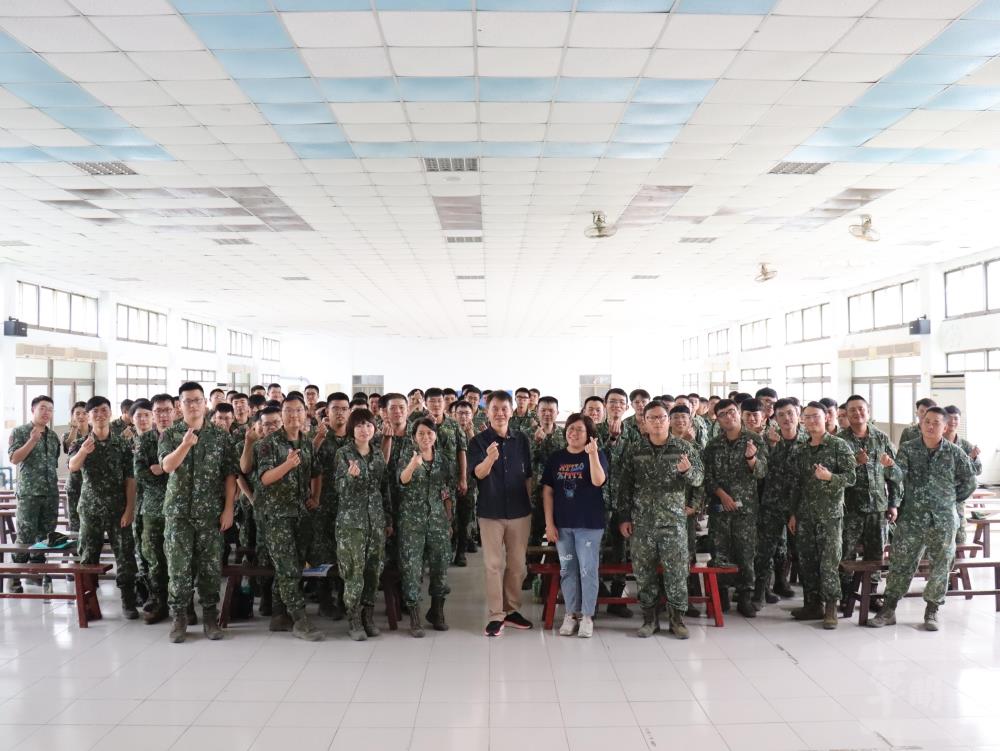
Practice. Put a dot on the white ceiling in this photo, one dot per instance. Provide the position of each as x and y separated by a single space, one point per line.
299 126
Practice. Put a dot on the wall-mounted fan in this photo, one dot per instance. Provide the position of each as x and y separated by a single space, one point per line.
865 231
600 227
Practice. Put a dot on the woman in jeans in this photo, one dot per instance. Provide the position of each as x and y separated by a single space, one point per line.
574 520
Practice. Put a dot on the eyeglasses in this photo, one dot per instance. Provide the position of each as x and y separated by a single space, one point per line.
726 413
655 418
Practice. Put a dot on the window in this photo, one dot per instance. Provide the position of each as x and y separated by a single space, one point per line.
973 360
593 385
717 383
760 376
370 384
199 336
272 349
198 376
753 335
56 310
140 325
135 381
718 342
689 382
690 347
972 289
240 344
238 377
883 308
807 381
807 324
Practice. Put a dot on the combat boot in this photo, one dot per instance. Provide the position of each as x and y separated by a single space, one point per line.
280 620
266 607
886 616
416 628
436 615
368 620
128 605
724 598
811 610
677 624
16 588
757 599
781 586
338 607
324 596
744 606
157 610
830 615
460 559
178 629
930 617
304 629
354 628
210 623
650 623
192 614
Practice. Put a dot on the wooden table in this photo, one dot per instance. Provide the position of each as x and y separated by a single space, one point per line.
84 576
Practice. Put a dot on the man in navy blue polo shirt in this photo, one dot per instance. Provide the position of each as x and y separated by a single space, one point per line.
501 462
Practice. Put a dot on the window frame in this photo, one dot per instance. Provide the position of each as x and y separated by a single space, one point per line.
152 385
870 295
989 306
985 351
71 298
235 335
140 314
752 326
202 329
824 328
268 344
714 336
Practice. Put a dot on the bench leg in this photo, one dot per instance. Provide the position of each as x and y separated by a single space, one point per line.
551 598
866 599
232 583
996 586
712 591
81 603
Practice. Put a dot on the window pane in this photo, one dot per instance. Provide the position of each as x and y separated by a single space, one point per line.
911 302
29 303
72 369
860 311
208 334
888 306
90 322
870 368
965 291
975 360
906 366
902 409
955 362
143 332
993 285
62 310
793 327
880 402
46 307
812 327
825 319
122 322
77 312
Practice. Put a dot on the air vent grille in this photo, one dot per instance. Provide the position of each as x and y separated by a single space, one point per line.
699 240
451 164
469 277
646 276
232 241
104 168
465 239
797 168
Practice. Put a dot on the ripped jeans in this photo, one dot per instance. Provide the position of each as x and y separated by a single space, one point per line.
579 555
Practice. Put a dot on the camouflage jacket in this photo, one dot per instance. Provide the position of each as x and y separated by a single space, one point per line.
821 499
36 475
779 487
150 489
651 492
326 457
239 432
713 429
104 474
196 489
526 423
361 503
933 481
400 451
910 432
540 453
726 468
424 495
614 450
480 421
119 426
870 492
287 496
450 440
966 446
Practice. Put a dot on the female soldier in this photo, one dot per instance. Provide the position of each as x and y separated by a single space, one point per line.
78 428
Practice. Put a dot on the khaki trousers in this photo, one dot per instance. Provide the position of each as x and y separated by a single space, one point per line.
505 542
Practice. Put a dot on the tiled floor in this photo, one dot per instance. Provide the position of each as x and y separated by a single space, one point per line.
769 684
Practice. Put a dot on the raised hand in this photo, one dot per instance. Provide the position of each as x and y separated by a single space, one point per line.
493 451
683 464
773 436
416 460
862 457
592 448
886 461
822 473
294 458
539 435
751 451
974 454
353 469
190 438
88 445
37 431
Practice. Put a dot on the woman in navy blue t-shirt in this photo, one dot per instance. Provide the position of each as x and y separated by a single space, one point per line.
574 520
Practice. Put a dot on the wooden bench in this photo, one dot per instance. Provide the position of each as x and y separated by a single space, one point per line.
550 586
84 576
981 536
863 589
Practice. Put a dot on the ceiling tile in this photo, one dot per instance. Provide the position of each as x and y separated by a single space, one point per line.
940 120
851 8
580 131
213 114
615 29
368 112
430 29
521 29
585 112
445 132
432 61
123 7
204 92
711 133
688 63
799 33
709 32
148 33
728 114
240 32
51 137
948 9
823 93
734 91
377 131
902 36
772 66
132 93
57 34
514 112
512 132
175 116
853 67
97 66
347 62
527 61
333 29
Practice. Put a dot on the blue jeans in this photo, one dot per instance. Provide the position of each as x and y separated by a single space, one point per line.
579 555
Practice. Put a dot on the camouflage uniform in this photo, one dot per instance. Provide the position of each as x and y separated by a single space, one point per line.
934 482
910 433
37 488
119 426
363 513
239 432
74 482
400 451
480 421
867 501
102 504
150 490
653 496
977 469
818 507
734 533
283 504
526 423
617 546
540 453
775 507
191 508
423 525
465 505
323 520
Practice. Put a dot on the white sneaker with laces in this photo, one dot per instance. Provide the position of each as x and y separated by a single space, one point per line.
586 627
569 625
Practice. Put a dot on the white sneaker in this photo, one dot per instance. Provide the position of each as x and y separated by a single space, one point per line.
586 627
569 625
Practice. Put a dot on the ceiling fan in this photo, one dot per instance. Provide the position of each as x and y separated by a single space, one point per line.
600 227
865 231
766 274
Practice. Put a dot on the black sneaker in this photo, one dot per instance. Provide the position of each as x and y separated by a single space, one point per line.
516 620
494 628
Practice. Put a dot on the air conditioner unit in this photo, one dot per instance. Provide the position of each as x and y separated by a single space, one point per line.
975 395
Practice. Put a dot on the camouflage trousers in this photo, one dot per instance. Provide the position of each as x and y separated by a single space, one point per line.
153 552
734 543
194 557
247 524
819 542
867 528
74 484
360 559
93 527
137 527
424 537
921 537
462 520
772 521
960 533
323 540
287 541
667 545
36 517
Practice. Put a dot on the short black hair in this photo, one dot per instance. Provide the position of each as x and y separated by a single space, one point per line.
498 396
470 387
432 392
391 396
951 409
273 403
97 401
766 391
232 392
521 390
191 386
751 405
358 402
295 396
937 411
41 398
361 394
258 386
239 395
160 398
459 404
926 402
856 398
589 399
126 405
533 390
667 398
680 409
782 403
83 405
257 400
373 395
297 393
141 404
448 391
213 392
224 409
312 386
638 394
270 409
338 396
273 386
741 396
693 395
411 392
615 390
827 402
723 404
357 417
654 404
548 400
588 423
427 422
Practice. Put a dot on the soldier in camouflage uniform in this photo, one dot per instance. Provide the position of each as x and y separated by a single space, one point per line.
452 445
821 469
396 447
78 427
655 475
266 422
776 505
123 425
937 476
465 508
971 451
241 417
612 437
290 479
868 501
198 508
472 395
639 399
363 522
523 418
330 437
424 525
151 487
34 449
682 426
912 432
546 439
107 499
734 462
